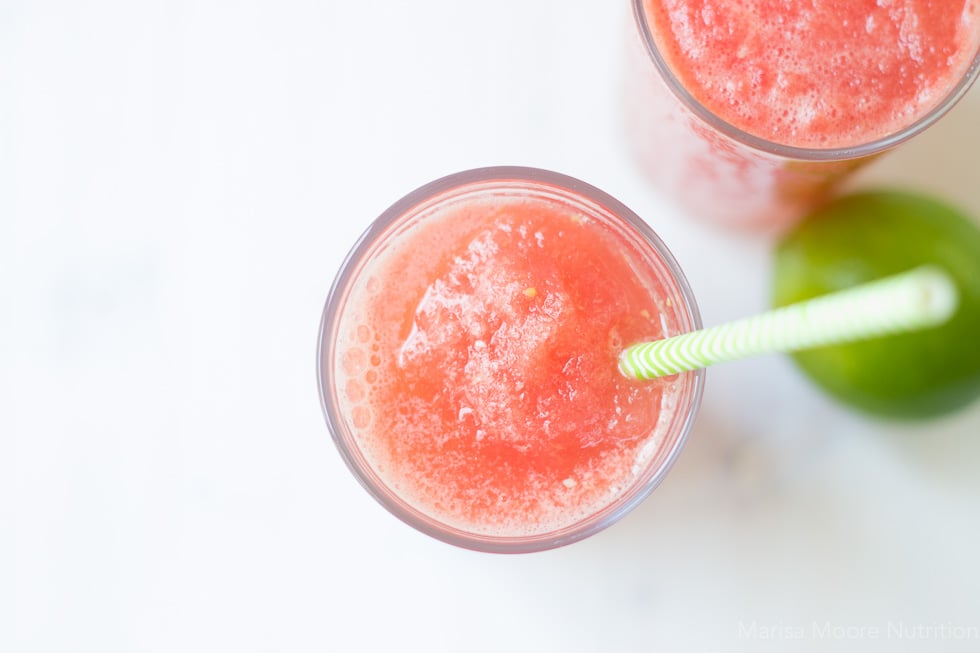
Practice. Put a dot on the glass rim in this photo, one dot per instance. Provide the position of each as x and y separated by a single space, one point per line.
764 145
682 423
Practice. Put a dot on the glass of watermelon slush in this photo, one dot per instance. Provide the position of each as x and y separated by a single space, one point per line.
748 112
468 360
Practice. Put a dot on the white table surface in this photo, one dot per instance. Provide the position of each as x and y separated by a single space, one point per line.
179 181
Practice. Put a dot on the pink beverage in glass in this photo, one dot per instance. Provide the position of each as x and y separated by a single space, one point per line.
468 360
748 112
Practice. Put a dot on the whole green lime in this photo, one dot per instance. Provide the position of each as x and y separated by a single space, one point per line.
866 236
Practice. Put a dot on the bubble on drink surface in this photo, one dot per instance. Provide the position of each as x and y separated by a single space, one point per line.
615 340
354 361
361 417
363 333
355 391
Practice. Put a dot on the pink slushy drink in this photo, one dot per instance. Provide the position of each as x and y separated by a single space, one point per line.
750 111
469 360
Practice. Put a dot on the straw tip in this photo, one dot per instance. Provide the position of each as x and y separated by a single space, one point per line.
626 368
937 293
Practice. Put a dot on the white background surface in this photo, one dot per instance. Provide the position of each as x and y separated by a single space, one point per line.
179 181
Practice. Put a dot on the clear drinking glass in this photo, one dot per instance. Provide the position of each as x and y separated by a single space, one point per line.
348 353
723 174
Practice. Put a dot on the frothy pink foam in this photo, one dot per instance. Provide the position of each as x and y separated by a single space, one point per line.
822 75
479 366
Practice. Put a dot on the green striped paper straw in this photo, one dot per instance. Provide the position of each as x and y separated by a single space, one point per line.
919 298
